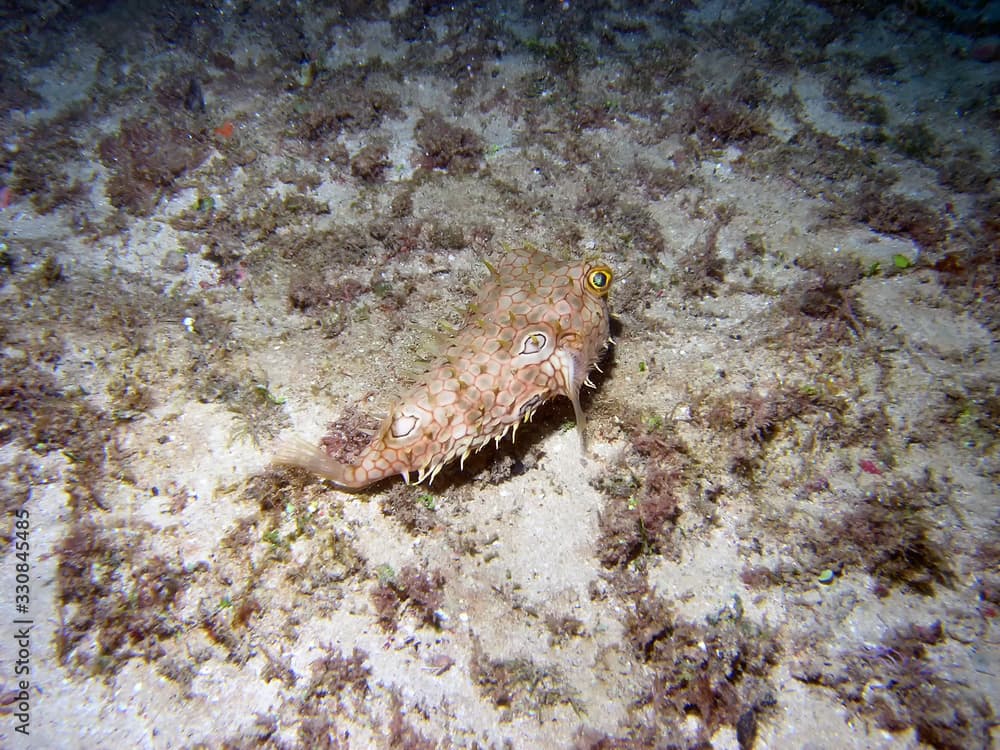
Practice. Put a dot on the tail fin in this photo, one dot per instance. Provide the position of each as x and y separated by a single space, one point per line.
298 452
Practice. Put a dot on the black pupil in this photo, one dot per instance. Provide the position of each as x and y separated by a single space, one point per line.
599 280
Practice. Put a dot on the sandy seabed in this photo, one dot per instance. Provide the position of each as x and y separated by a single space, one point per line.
227 223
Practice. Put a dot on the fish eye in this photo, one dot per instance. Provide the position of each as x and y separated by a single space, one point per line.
599 279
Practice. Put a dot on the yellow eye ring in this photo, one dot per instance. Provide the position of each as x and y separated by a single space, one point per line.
599 279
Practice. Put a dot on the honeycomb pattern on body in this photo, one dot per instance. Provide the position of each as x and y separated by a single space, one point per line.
535 331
